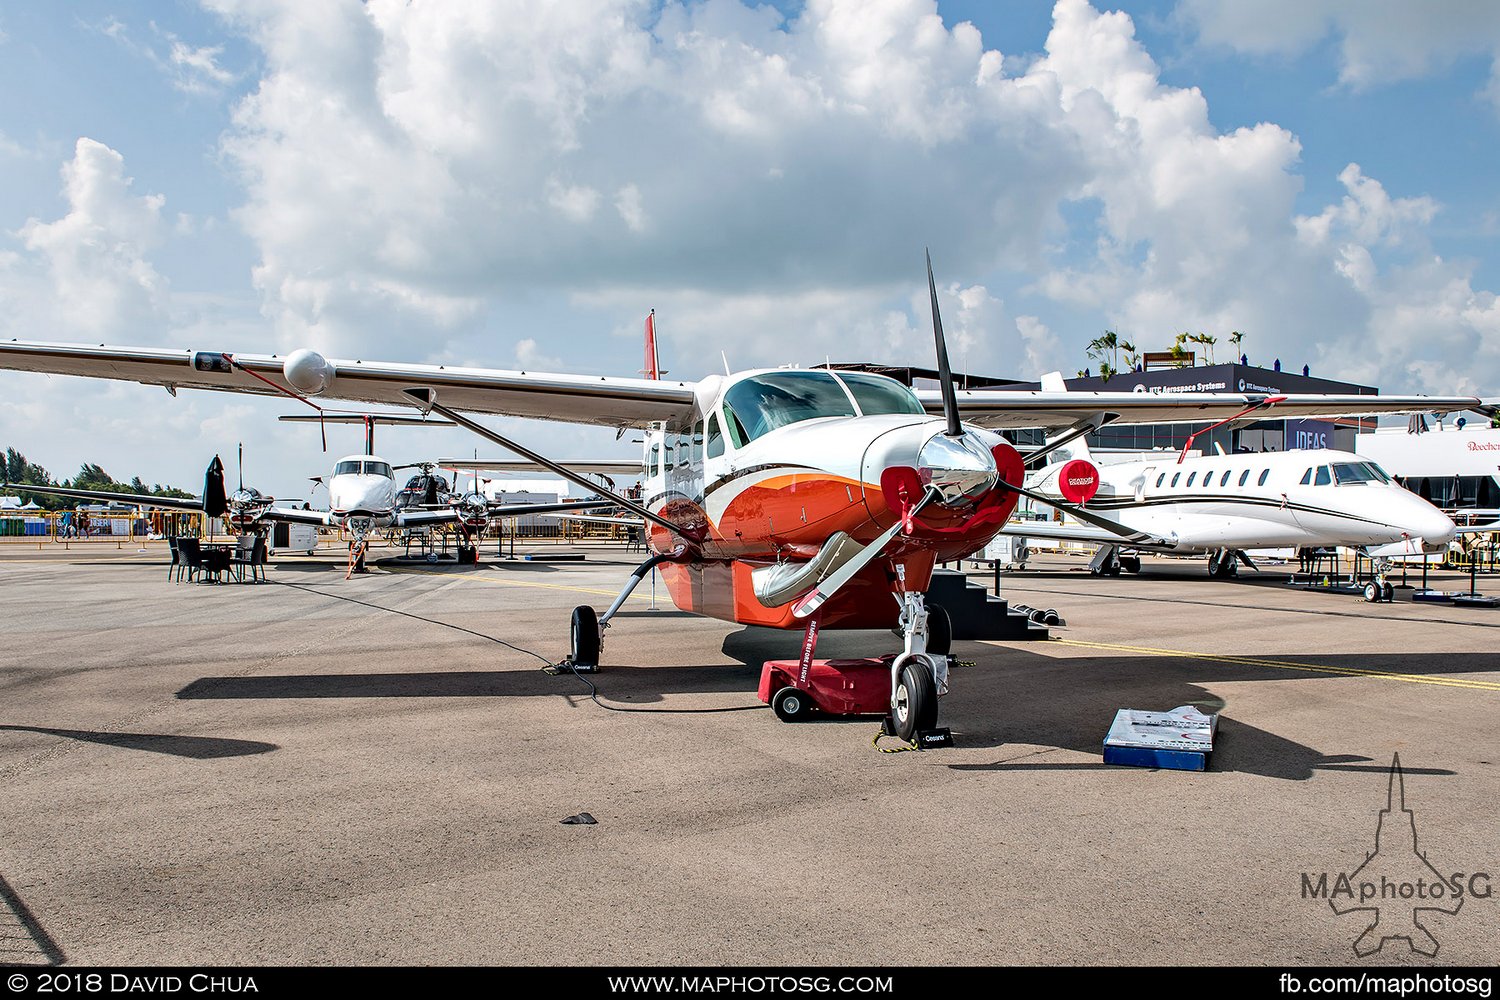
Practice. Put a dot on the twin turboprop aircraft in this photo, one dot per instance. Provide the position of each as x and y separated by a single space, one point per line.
774 497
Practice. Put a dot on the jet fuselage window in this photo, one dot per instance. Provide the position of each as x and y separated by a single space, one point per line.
1191 477
1225 478
1322 478
1264 475
1175 477
1208 479
1159 480
1244 477
764 403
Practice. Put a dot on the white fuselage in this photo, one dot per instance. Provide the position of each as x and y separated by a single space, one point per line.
1263 500
362 486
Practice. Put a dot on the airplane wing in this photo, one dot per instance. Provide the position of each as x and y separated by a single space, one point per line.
419 518
1006 409
1055 531
614 402
594 467
102 496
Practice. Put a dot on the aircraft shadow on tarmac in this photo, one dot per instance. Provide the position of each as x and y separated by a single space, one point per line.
1069 703
196 747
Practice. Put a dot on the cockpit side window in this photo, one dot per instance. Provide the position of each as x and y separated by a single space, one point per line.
1345 473
763 403
1306 477
1322 478
715 438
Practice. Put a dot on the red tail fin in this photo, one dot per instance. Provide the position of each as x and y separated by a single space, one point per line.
652 370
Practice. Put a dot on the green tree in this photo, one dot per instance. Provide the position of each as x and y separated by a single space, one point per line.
1237 339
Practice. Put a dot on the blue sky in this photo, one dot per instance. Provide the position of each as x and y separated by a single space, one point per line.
515 186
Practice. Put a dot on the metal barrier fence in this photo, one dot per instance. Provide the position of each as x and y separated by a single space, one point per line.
120 527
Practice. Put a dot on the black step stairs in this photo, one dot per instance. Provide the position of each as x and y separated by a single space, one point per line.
975 613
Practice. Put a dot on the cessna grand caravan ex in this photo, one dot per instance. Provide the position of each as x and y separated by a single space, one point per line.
781 497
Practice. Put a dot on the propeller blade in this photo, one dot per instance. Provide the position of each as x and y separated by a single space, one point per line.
1114 527
813 601
945 373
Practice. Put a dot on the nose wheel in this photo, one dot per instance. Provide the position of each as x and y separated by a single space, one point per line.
920 674
914 706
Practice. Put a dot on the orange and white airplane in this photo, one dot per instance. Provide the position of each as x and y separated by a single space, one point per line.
774 497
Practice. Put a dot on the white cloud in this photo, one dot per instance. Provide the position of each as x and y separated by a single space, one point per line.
1379 41
96 256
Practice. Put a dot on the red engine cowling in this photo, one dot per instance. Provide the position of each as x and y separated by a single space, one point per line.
1078 481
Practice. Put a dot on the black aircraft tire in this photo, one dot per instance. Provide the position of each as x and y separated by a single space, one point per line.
939 630
1388 592
585 633
791 705
916 701
1372 592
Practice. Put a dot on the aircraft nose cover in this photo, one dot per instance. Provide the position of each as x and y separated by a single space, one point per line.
1078 481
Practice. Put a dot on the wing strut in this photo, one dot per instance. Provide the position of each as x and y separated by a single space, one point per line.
427 400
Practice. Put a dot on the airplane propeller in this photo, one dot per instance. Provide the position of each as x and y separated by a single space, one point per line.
945 373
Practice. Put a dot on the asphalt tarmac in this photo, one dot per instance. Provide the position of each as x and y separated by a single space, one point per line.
316 770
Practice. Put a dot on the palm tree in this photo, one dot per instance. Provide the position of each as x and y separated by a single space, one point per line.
1208 341
1132 358
1179 346
1237 338
1106 350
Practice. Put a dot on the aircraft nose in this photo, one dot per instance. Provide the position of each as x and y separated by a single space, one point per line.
960 468
1432 525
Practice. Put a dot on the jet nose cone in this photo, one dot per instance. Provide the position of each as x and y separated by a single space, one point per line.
960 468
1438 528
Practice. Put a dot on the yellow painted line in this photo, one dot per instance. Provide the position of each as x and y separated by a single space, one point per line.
516 583
1255 661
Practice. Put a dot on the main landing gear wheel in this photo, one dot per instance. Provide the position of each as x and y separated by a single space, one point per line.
585 637
939 631
1372 592
916 705
791 705
1130 564
1388 592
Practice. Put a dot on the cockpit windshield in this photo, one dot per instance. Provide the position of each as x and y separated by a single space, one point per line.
876 394
354 467
762 403
1345 473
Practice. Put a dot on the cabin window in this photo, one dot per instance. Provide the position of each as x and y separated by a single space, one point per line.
1208 479
1264 475
1175 477
1244 477
697 444
653 463
1307 477
1323 478
1224 480
715 439
1159 480
763 403
1191 477
878 394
